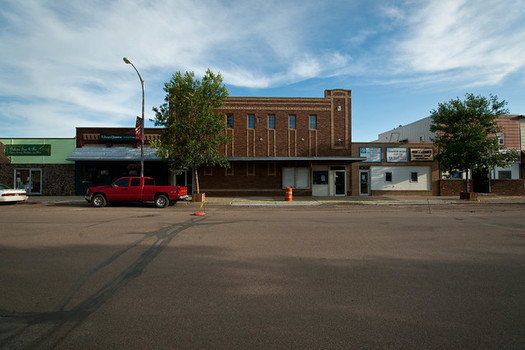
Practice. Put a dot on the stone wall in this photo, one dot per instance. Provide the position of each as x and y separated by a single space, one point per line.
57 179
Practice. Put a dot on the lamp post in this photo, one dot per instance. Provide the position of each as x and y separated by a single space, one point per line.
127 61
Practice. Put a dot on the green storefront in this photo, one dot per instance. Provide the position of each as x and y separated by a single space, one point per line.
39 165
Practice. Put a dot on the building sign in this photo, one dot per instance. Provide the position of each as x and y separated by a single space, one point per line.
28 150
421 154
118 138
372 154
397 154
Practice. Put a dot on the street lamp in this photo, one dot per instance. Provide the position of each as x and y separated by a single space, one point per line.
127 61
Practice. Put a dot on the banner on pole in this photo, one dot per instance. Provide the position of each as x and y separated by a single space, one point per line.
138 129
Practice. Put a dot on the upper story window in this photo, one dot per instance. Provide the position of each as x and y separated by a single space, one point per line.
229 121
251 121
313 122
291 121
501 138
271 121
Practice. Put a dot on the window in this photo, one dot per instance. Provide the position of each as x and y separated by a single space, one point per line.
149 182
271 121
135 182
291 121
320 177
250 169
388 177
413 177
313 122
229 121
251 121
296 177
501 138
504 175
122 183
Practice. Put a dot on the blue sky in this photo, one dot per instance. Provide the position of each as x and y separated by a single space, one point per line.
61 62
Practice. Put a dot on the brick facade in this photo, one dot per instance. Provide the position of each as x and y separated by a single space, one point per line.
332 136
497 187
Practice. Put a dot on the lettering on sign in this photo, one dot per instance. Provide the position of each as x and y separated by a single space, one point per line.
421 154
118 138
28 150
372 154
397 154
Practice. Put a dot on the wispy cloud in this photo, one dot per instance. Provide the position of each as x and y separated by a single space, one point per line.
475 42
61 62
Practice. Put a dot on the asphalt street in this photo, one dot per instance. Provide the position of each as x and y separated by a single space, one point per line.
402 276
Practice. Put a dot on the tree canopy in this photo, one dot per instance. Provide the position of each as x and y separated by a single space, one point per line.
193 130
466 134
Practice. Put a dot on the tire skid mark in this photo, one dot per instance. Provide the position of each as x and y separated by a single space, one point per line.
26 330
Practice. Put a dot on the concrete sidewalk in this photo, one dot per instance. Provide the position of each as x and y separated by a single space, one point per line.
308 200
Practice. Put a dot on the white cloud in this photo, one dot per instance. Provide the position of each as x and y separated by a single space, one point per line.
70 54
479 42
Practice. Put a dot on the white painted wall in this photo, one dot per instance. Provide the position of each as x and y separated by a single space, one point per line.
400 178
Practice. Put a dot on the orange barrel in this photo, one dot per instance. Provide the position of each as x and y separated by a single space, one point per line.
288 194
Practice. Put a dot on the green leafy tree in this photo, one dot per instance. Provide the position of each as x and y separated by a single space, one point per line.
193 130
466 134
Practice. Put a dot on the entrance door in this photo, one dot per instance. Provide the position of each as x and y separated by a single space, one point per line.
481 181
29 180
364 186
340 182
184 179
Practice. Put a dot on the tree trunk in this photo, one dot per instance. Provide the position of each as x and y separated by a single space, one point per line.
196 178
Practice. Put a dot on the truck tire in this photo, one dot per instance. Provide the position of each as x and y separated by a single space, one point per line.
161 201
99 201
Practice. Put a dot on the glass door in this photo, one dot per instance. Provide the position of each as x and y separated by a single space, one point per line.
29 180
184 179
364 183
340 183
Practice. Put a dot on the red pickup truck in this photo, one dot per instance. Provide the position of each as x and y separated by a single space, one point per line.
135 189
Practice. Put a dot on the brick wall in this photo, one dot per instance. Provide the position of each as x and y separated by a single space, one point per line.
497 187
332 137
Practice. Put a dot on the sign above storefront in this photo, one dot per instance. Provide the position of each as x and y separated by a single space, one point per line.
421 154
28 150
372 154
118 138
397 154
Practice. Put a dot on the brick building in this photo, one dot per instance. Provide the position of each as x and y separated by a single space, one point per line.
304 143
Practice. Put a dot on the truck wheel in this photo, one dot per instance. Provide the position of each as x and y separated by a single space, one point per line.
99 201
161 201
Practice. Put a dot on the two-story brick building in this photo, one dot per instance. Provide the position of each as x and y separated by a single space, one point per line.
304 143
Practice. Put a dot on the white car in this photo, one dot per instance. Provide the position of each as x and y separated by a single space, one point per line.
9 195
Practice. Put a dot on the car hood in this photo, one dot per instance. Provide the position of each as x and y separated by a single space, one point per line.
98 188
